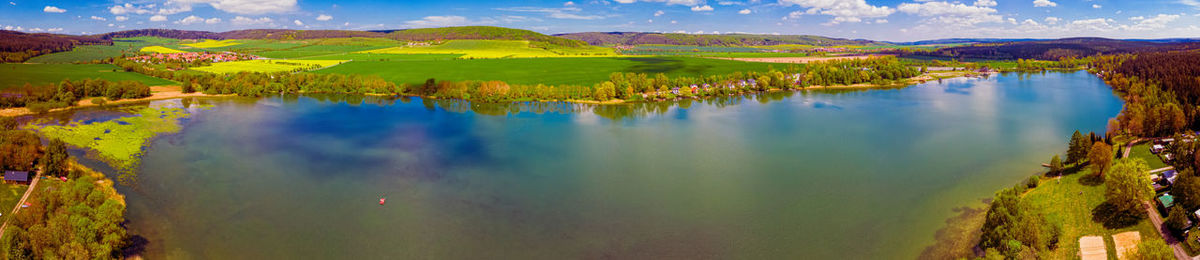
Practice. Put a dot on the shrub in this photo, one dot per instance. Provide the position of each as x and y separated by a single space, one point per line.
99 101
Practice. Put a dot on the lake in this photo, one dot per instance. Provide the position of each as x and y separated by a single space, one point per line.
810 175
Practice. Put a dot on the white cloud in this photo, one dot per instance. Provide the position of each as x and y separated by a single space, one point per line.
659 13
702 8
175 9
729 3
244 21
1096 6
952 13
110 25
442 21
97 18
1192 3
298 23
121 18
674 22
557 13
1155 22
1044 3
244 6
744 11
842 10
158 18
191 19
54 30
987 3
12 3
324 17
127 9
881 21
212 20
669 2
53 9
569 3
1052 20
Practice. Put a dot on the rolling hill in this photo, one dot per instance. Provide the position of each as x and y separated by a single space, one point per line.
1053 49
639 38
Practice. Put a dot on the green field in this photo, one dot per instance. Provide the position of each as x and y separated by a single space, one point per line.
485 49
266 66
552 71
96 52
1143 151
383 57
1068 203
9 195
159 49
40 74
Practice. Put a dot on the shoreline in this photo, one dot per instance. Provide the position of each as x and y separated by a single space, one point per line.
173 92
157 93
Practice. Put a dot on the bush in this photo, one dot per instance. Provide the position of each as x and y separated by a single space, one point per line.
1033 181
99 101
43 107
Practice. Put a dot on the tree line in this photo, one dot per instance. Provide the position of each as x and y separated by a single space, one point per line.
18 46
1159 90
69 92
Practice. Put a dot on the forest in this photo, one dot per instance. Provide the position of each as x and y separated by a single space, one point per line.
19 46
1159 90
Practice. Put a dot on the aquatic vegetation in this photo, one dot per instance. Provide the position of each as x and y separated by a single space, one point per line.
121 141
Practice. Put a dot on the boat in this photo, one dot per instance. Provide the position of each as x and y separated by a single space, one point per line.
382 200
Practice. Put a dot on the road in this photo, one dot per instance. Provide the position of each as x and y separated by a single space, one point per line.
1176 246
28 191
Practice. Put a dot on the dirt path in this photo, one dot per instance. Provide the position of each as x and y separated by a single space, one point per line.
1157 221
32 185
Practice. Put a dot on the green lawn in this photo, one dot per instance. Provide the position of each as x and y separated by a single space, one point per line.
9 195
40 74
96 52
551 71
1143 151
495 49
1068 203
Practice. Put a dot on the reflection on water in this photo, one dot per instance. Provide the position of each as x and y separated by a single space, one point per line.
846 174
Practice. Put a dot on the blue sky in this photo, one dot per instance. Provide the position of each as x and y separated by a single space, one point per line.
868 19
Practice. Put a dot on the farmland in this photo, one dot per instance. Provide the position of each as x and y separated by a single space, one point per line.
159 49
553 71
97 52
41 74
483 49
267 66
207 44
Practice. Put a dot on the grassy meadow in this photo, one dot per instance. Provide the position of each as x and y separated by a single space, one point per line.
552 71
266 66
1143 151
1069 202
490 49
96 52
41 74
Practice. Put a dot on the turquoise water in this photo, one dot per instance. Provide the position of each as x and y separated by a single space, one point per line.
819 175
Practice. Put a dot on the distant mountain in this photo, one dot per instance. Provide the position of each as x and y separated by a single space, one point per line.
165 33
636 38
18 46
480 33
283 34
1053 49
965 40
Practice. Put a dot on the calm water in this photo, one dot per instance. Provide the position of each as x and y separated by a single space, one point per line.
867 174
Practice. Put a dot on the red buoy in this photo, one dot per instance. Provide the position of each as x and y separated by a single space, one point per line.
382 200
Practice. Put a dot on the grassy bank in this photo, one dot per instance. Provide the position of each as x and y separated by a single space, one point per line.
16 75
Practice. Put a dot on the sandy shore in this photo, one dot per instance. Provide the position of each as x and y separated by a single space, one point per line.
156 93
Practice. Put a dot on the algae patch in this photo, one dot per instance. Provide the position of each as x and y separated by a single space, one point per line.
120 141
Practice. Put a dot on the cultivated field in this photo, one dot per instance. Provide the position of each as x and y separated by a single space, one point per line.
207 44
552 71
267 66
159 49
98 52
485 49
40 74
802 59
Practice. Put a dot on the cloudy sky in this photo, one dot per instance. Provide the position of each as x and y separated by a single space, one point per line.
869 19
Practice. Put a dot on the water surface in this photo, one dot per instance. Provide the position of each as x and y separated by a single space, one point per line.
846 175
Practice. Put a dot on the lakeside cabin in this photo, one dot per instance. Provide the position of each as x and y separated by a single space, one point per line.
1165 201
16 177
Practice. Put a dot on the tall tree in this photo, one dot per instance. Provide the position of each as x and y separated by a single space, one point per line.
1101 156
1126 185
54 162
1077 148
1056 165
